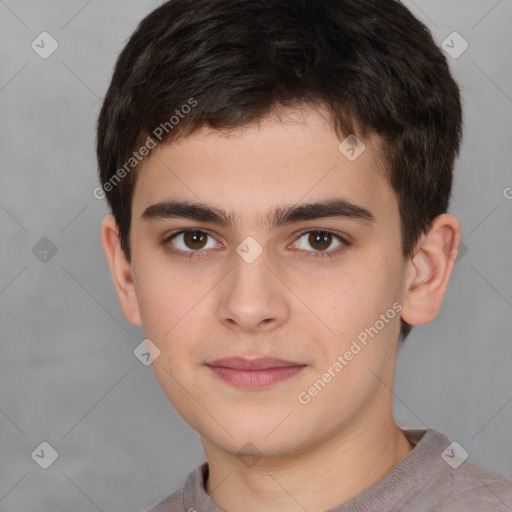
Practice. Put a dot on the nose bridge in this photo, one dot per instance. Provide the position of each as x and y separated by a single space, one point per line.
251 294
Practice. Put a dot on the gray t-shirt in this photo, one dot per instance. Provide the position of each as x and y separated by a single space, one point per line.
434 476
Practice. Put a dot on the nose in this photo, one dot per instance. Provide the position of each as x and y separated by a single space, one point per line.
252 296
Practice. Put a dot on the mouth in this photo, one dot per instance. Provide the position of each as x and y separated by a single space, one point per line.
257 373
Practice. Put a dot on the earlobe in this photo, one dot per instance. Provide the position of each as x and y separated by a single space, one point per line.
120 270
429 270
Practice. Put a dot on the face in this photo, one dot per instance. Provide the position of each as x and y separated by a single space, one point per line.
246 270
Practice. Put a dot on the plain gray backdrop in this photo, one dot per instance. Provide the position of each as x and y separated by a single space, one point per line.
68 374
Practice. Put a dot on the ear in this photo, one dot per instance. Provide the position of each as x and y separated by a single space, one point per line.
429 270
120 270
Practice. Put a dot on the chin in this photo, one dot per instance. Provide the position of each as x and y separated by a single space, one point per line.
256 442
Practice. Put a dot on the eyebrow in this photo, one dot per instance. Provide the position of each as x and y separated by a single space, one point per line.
280 216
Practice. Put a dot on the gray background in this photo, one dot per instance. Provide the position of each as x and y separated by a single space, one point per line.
68 375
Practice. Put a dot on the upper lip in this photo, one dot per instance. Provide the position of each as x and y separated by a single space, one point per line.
260 363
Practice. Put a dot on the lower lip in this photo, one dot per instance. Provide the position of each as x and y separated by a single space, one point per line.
255 379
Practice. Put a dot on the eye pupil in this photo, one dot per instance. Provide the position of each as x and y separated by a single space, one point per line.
195 239
320 240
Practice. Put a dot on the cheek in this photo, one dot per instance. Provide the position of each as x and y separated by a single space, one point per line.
167 296
354 299
174 315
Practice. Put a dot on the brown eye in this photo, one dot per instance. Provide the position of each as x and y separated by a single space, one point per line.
193 240
320 240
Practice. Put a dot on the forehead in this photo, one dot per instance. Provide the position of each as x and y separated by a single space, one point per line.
292 158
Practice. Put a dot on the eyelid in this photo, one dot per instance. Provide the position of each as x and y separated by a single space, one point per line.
342 236
343 239
184 231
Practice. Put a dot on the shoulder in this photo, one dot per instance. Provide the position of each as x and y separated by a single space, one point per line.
173 503
183 499
468 488
438 477
472 488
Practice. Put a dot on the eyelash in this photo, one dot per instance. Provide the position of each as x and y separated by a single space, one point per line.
197 254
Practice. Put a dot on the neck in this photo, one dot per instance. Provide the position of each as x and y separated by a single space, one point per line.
317 479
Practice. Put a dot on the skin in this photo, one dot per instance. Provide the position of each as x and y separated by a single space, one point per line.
287 304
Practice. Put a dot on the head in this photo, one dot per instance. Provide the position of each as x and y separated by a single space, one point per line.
253 110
